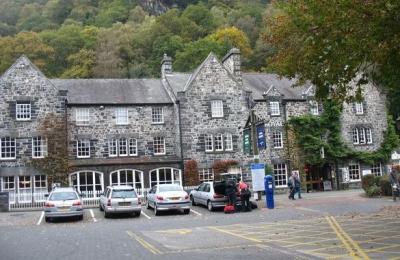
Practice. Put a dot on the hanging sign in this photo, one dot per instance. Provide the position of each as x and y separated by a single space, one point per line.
261 136
246 141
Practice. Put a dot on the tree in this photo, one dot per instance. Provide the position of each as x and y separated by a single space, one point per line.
82 64
233 37
28 43
331 42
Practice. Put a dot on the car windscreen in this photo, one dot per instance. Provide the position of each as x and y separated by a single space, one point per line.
170 188
63 196
123 194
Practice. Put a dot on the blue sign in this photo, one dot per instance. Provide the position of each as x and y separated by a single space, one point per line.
261 136
257 166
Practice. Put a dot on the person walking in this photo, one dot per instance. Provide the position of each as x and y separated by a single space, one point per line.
244 195
297 185
394 181
291 187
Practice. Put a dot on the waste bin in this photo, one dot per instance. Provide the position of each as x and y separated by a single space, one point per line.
269 191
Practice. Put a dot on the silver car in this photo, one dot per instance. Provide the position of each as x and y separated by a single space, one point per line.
205 195
63 202
168 197
120 199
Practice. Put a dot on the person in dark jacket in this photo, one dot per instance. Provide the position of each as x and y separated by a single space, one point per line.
394 181
230 190
245 195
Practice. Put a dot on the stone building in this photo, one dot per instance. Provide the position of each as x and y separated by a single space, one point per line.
142 131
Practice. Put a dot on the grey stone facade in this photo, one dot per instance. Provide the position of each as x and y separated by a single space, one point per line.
204 116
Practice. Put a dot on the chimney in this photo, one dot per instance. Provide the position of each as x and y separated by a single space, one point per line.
166 65
232 63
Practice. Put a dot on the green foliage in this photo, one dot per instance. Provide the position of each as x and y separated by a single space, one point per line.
373 191
310 132
368 181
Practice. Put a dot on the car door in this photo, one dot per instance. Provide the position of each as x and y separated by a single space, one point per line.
206 193
150 196
103 198
198 194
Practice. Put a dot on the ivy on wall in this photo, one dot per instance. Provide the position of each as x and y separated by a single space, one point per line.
314 133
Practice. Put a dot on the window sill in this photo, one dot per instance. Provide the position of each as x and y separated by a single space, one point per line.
122 124
159 154
159 123
23 120
82 124
82 157
8 159
277 148
219 152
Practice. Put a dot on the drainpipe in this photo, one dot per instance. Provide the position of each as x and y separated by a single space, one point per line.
180 140
66 133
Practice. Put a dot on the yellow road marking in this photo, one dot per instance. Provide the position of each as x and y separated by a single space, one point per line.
176 231
144 243
352 247
379 249
236 235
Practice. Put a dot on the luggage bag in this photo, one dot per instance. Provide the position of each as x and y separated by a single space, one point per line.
229 209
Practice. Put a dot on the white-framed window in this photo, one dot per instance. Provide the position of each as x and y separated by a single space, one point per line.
274 108
368 135
206 174
123 147
280 175
165 176
24 189
82 115
314 108
209 143
354 172
277 139
356 139
39 187
359 108
157 115
39 147
217 108
362 135
219 142
23 111
8 184
130 177
376 169
133 151
159 145
87 182
83 148
228 142
8 148
113 147
121 115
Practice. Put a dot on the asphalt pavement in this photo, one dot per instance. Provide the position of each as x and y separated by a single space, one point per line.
341 225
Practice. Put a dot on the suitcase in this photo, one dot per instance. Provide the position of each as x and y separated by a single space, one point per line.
229 209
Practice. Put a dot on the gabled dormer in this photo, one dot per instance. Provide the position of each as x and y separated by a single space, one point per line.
274 99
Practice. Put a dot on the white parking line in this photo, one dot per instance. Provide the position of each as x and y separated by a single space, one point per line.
91 213
195 212
144 214
40 219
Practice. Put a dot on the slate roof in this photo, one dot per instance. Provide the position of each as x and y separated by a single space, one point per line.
259 83
114 91
178 81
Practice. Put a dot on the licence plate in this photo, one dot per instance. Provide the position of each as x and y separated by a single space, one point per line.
124 203
63 208
174 198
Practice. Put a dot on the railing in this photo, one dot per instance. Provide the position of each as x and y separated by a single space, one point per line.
36 200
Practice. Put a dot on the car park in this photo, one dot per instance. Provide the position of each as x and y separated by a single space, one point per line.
211 194
120 199
63 202
164 197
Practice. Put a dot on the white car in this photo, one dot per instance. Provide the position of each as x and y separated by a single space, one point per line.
63 202
120 199
168 197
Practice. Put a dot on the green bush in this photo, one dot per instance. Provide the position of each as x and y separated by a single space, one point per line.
373 191
386 187
368 181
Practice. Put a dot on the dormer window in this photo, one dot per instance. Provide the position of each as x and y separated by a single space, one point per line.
359 108
217 108
23 111
274 108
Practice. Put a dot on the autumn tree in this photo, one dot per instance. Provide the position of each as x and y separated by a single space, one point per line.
330 42
233 37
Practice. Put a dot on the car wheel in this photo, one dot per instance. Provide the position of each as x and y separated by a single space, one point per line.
80 217
101 208
210 206
192 199
155 210
138 214
106 215
47 219
186 211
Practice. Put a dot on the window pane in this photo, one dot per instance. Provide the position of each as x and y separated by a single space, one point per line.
217 108
8 148
159 145
157 115
121 115
274 107
208 139
23 111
